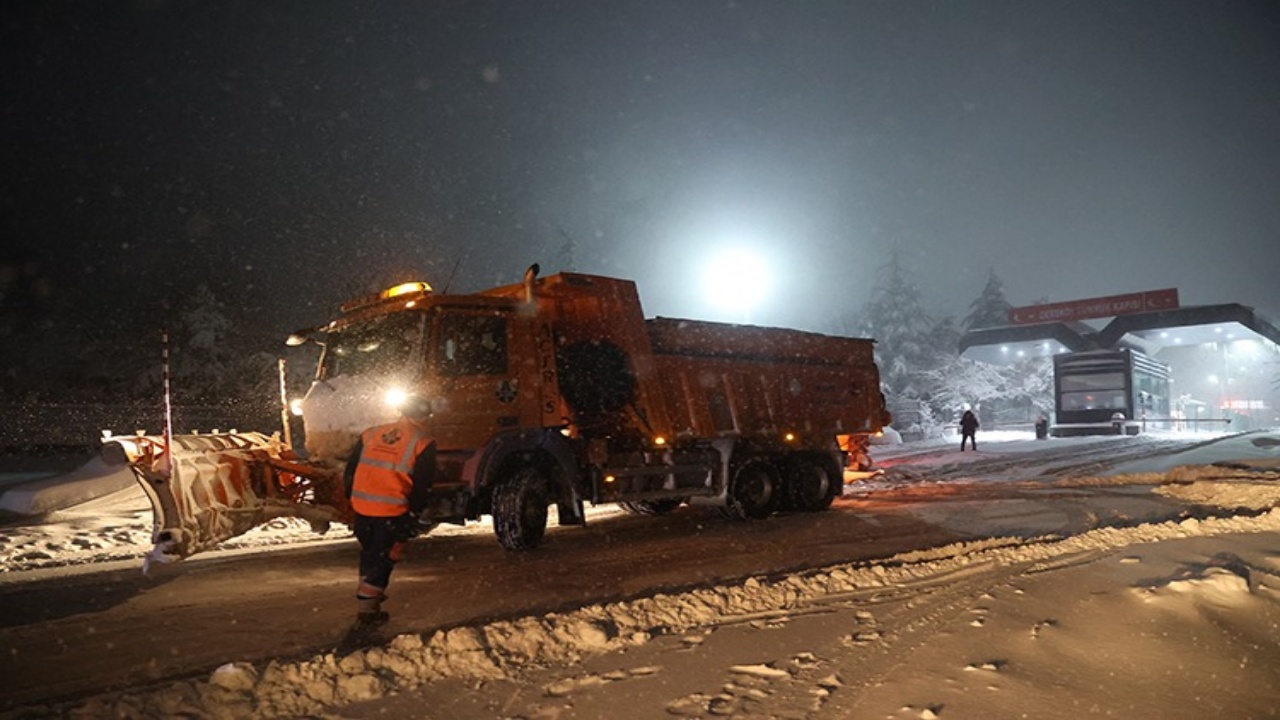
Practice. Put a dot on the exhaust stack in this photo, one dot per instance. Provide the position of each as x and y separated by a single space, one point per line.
530 275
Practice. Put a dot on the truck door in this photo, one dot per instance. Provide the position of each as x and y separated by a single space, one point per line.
476 388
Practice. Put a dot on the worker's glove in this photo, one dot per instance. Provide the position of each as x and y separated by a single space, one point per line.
405 527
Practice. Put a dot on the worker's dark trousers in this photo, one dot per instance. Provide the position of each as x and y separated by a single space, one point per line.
973 441
379 552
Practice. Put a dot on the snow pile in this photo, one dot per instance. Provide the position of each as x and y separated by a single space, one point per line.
118 527
1180 629
1247 450
1214 585
505 649
94 480
1245 493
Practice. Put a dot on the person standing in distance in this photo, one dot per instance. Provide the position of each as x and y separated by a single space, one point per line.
969 430
388 480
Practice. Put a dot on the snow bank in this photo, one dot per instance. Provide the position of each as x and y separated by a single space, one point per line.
94 480
118 526
1181 629
505 648
1215 585
1259 450
1243 493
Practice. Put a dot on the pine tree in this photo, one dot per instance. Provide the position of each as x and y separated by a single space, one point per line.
990 309
203 357
895 318
567 253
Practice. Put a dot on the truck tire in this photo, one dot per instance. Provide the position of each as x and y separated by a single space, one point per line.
520 509
753 491
651 507
811 485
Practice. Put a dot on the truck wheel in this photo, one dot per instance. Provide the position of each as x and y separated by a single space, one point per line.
753 492
651 507
520 510
811 486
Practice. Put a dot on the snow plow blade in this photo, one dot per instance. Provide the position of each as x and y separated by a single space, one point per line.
220 485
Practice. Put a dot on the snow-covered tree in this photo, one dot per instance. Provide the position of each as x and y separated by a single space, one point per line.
1023 390
944 340
566 256
201 350
963 383
1030 384
990 309
903 331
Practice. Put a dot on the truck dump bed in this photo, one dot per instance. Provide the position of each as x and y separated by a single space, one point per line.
735 380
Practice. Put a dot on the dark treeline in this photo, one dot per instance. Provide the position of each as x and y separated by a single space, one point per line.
57 345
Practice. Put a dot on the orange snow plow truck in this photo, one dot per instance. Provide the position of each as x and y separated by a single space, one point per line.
555 391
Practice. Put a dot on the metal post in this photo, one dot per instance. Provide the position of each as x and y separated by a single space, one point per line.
168 404
284 406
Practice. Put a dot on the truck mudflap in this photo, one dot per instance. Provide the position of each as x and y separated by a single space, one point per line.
212 487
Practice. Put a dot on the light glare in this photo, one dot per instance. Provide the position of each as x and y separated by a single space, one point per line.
396 397
737 279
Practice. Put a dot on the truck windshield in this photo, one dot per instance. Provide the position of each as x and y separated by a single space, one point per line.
386 345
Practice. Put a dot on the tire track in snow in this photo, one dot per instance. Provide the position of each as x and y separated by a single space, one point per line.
1077 460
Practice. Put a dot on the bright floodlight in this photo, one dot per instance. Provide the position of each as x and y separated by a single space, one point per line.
737 280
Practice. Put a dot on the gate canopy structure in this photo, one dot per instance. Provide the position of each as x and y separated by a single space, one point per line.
1210 352
1150 332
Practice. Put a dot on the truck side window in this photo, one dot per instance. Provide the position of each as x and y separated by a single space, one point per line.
472 345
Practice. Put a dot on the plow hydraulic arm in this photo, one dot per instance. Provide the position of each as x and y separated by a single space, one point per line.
211 487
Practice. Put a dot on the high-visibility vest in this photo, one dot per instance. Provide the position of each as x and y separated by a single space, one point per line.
384 474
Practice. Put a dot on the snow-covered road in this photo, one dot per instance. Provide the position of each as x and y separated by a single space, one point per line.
830 606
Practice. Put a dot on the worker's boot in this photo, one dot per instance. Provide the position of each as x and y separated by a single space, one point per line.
369 611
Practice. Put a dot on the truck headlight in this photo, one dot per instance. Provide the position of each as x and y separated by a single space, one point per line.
395 397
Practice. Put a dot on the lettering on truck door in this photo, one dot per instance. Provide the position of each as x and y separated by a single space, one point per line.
553 413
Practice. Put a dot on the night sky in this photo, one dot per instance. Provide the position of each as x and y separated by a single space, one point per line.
291 154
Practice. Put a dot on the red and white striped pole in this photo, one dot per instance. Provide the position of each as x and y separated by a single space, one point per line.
168 405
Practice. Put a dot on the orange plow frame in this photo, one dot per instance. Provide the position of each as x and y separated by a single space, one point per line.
218 486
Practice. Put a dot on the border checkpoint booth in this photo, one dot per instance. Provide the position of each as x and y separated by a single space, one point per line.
1125 376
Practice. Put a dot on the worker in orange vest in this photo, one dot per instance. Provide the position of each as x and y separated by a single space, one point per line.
388 480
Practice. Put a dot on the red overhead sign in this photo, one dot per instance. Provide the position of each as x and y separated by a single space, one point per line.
1096 307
